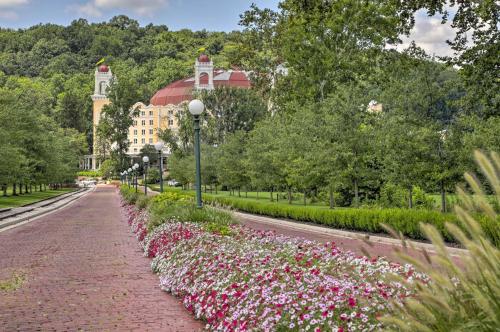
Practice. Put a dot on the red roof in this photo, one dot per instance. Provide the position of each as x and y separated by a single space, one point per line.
181 90
203 58
103 69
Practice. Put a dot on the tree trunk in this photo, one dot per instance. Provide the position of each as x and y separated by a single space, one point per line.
25 188
289 195
410 197
14 193
356 193
31 188
330 193
443 197
239 192
4 188
216 189
272 199
246 193
278 196
305 198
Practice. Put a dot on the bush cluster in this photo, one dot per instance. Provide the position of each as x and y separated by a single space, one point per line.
405 221
181 207
129 194
90 174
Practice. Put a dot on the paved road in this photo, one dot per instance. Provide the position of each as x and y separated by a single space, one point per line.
83 270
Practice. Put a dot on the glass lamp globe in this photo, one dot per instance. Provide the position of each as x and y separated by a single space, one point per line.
130 170
145 159
136 166
114 146
196 107
159 146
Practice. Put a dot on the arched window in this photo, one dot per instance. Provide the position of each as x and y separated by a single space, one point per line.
102 88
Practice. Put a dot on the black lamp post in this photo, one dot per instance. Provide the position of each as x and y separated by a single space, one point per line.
196 107
129 172
145 160
135 168
159 147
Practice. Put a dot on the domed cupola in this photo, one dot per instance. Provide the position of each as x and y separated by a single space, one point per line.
204 73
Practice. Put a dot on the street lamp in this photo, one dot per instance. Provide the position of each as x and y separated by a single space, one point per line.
135 167
129 171
124 176
145 160
159 146
196 107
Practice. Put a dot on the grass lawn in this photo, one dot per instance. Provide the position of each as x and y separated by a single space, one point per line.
261 196
16 201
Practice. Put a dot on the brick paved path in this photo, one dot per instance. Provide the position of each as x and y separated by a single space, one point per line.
84 270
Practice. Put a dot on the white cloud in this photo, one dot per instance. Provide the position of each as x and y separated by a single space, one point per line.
12 3
7 6
96 8
431 35
8 15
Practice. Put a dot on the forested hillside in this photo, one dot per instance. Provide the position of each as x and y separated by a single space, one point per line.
59 61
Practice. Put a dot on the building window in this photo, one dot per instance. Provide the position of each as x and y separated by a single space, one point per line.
150 113
150 131
135 132
143 140
150 141
135 149
143 122
170 122
135 140
143 132
151 122
143 113
170 112
135 123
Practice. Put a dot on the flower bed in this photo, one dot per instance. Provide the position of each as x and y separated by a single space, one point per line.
254 280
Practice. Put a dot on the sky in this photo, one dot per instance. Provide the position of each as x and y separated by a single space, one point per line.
212 15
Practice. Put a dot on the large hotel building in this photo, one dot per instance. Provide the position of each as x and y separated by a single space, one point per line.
164 105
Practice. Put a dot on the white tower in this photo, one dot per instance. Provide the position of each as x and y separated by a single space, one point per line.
205 66
103 76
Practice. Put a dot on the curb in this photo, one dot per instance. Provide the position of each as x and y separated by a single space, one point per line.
453 251
29 206
347 234
41 213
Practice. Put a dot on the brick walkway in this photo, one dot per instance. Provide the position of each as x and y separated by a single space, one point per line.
83 270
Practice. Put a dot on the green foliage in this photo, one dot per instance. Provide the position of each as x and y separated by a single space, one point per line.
179 206
405 221
392 195
142 201
108 169
90 174
465 295
153 175
129 194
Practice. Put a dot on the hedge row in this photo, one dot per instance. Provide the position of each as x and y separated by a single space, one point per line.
367 220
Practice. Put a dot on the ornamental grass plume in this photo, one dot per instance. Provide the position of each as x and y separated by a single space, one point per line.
464 296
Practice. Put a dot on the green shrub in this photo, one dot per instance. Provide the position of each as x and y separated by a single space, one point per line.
142 202
89 174
422 200
181 206
367 220
129 194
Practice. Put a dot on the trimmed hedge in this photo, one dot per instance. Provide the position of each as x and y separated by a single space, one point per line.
405 221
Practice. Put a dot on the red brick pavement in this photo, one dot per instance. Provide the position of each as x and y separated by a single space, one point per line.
84 271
